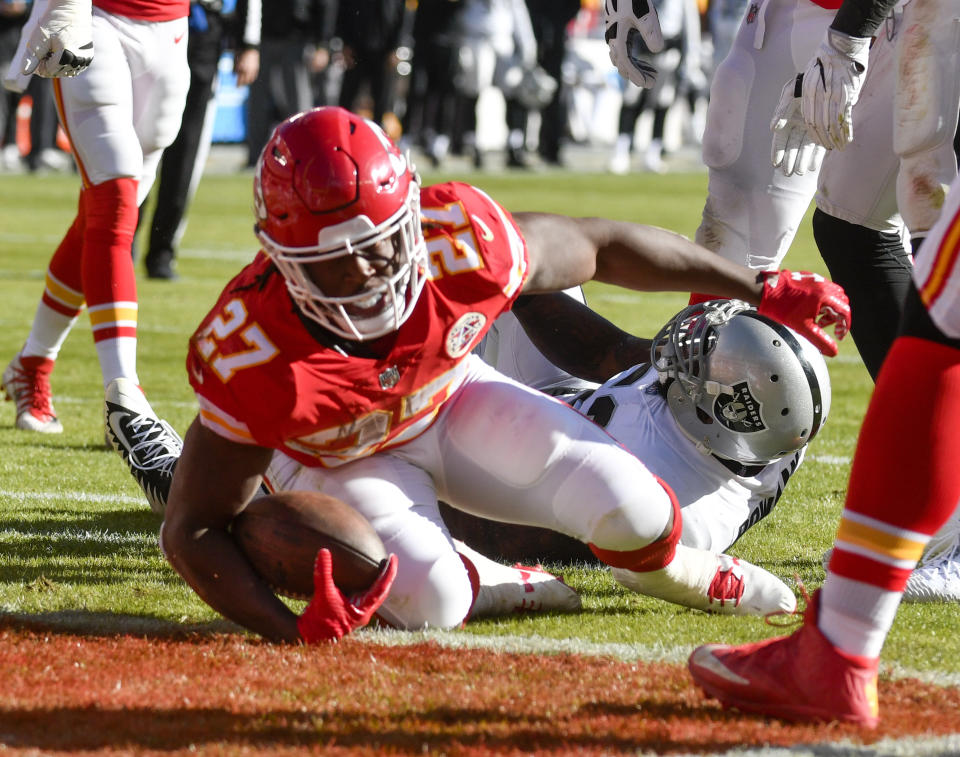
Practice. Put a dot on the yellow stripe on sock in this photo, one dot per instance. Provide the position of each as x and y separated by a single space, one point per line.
112 315
884 543
67 296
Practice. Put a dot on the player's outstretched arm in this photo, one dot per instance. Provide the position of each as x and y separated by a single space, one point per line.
565 252
214 479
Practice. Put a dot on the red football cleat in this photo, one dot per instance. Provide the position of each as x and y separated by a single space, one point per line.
26 381
797 677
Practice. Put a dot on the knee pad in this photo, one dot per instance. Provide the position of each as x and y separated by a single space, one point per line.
922 185
655 555
726 114
429 594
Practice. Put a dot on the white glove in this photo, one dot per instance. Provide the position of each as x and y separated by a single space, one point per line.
624 21
795 149
61 43
831 87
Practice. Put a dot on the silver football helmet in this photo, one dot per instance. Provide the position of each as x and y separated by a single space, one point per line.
740 385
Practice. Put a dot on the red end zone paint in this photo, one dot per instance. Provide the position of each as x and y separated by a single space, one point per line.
231 695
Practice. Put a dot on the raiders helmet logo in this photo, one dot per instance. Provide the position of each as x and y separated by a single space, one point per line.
740 411
462 334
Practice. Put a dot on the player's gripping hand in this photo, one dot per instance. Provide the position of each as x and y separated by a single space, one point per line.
330 615
61 43
831 87
795 149
625 21
807 303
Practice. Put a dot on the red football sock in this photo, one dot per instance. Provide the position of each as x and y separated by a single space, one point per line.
65 269
109 280
905 480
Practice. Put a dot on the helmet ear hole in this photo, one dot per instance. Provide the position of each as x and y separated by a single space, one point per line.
704 417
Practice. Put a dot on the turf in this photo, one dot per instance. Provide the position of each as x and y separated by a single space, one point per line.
78 543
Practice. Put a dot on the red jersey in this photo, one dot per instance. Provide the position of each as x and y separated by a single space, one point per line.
261 378
146 10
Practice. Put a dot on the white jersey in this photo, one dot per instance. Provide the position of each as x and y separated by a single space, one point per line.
720 499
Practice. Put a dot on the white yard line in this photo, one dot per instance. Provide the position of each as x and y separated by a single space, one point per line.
22 496
619 651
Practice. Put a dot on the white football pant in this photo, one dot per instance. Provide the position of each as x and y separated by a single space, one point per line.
498 450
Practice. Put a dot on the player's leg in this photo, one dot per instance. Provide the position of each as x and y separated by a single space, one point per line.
63 297
432 587
902 457
180 164
120 122
440 582
752 210
856 225
502 451
95 110
26 379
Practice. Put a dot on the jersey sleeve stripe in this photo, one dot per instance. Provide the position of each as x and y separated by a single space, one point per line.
943 263
224 424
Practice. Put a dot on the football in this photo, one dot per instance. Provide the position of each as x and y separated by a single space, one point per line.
281 534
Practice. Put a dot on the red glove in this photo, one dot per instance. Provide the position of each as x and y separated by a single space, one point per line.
330 615
807 303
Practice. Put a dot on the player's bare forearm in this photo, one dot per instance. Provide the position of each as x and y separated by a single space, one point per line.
565 252
578 340
213 481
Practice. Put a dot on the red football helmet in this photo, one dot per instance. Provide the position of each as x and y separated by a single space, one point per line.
330 183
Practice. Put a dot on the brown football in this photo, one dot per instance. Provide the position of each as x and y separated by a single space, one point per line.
281 534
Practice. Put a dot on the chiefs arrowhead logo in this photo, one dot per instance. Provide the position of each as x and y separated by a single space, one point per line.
463 333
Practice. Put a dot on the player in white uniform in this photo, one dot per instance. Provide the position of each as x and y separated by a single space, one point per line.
752 210
727 471
119 115
889 166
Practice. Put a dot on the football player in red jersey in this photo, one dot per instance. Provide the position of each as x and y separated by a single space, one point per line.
340 360
119 115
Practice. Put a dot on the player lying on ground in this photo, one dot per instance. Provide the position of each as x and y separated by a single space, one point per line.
721 405
719 502
346 346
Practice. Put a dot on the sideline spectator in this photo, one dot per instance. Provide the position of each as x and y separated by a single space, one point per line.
214 26
294 44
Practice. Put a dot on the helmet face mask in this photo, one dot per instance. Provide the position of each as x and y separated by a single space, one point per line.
328 185
740 385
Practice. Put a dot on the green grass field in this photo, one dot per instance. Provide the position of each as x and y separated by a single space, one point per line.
78 543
